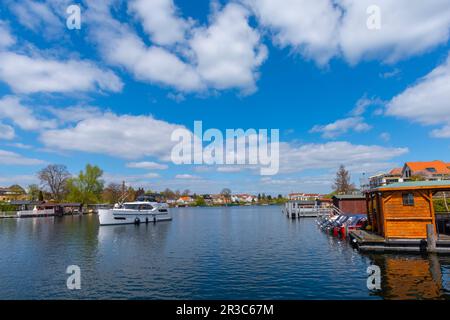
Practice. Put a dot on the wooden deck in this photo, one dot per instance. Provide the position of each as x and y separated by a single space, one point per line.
369 242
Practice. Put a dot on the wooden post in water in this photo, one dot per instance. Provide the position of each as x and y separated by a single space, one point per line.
431 238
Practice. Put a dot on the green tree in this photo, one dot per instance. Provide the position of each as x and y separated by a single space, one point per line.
33 192
87 187
200 202
342 182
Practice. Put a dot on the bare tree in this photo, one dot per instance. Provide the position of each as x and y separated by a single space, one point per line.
54 178
342 182
226 194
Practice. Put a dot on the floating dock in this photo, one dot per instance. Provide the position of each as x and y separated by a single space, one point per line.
369 242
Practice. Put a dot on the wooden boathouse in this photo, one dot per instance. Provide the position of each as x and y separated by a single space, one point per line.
402 218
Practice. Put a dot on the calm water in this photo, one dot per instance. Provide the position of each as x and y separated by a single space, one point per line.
204 253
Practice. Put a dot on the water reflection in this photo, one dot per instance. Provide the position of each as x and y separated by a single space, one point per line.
204 253
406 277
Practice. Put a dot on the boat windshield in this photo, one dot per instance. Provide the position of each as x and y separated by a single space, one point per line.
136 206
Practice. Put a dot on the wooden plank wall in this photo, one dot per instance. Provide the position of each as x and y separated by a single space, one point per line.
406 221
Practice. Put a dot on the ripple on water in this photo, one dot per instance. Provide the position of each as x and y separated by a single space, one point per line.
204 253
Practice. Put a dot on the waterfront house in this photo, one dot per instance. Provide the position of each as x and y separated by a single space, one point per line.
245 198
430 170
350 203
303 196
185 200
11 194
382 179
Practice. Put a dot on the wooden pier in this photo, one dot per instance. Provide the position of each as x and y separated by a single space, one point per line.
371 242
306 209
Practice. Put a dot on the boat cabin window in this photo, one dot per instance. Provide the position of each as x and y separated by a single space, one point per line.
135 206
408 199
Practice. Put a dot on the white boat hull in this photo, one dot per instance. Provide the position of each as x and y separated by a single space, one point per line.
118 216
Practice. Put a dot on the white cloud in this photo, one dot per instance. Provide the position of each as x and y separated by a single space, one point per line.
37 74
364 103
444 132
75 113
334 129
12 158
358 158
385 136
222 55
308 26
121 136
38 17
408 28
20 145
149 165
427 101
160 20
22 180
136 180
6 39
324 29
6 132
23 116
187 177
120 46
229 51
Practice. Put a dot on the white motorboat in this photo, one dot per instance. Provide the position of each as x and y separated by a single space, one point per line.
134 213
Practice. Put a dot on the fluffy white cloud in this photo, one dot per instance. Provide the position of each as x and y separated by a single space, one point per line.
407 28
333 130
6 39
38 16
427 101
26 74
311 27
75 113
160 20
121 136
323 29
358 158
6 132
186 177
149 165
223 55
22 116
121 46
229 51
12 158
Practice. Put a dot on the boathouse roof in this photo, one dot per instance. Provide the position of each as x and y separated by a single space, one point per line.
349 196
443 184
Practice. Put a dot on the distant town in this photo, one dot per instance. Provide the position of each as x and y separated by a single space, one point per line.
87 190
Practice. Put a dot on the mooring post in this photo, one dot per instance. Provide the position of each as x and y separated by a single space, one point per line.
431 238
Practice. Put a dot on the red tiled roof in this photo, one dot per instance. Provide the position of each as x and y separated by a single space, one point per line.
440 167
396 171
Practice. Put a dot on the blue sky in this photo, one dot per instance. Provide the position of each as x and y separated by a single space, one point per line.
111 93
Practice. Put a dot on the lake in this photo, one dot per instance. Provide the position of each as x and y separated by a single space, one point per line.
204 253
